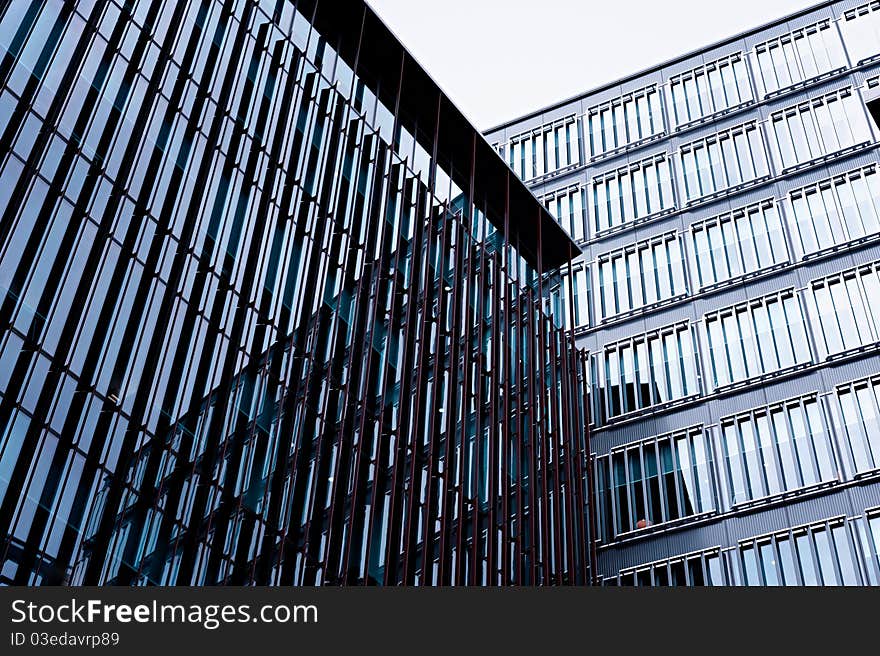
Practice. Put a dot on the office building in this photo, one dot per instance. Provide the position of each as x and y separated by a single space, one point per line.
273 311
727 204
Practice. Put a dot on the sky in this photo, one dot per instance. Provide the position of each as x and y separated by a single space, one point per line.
500 59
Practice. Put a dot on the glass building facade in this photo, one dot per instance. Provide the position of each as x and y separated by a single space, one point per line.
727 204
274 312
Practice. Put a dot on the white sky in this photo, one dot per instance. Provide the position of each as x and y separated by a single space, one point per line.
500 59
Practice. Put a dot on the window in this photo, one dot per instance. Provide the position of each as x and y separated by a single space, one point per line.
580 300
642 274
567 206
632 193
722 161
703 568
625 120
861 32
798 56
709 89
819 554
856 416
775 449
868 530
818 127
836 211
655 481
738 243
646 370
545 150
756 338
842 309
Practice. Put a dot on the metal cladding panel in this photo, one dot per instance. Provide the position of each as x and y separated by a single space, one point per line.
678 418
868 73
791 99
829 12
818 508
661 547
753 524
837 373
734 403
844 5
855 161
654 77
866 497
614 241
673 420
688 64
820 377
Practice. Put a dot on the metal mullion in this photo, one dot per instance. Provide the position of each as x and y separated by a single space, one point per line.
775 455
231 356
515 313
443 517
555 439
814 554
807 426
870 557
372 309
496 454
863 432
581 456
342 437
629 491
567 529
470 293
616 529
398 475
319 446
534 521
873 325
678 476
390 187
458 347
640 455
545 408
664 504
506 487
853 546
872 388
33 437
479 301
832 545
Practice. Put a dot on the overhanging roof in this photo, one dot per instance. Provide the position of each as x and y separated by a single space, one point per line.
379 60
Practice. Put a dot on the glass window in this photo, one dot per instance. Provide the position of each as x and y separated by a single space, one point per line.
840 314
740 242
647 272
624 120
836 210
799 55
820 554
860 27
779 443
567 207
672 374
696 569
772 318
708 89
857 419
632 193
816 128
721 161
